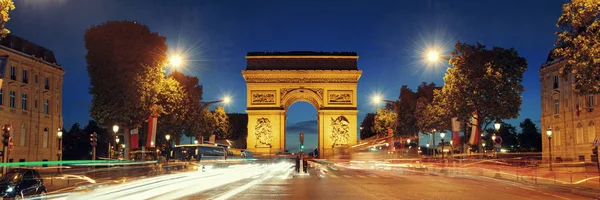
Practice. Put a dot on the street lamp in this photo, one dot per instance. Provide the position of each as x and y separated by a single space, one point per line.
434 56
59 135
442 134
117 144
115 128
168 147
175 60
549 134
483 144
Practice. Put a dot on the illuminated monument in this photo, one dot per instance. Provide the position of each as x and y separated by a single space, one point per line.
276 80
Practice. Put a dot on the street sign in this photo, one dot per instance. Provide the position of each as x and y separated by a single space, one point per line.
498 140
11 145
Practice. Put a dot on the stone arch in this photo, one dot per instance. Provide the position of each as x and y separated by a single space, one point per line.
301 94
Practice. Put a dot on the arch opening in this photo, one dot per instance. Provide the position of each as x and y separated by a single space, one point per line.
301 117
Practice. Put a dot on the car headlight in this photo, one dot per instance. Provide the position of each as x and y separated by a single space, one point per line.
10 189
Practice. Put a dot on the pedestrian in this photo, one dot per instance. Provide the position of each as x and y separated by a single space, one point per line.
304 164
297 164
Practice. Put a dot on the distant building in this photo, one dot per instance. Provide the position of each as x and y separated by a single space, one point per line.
31 99
571 116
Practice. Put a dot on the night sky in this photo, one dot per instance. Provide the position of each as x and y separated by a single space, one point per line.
389 37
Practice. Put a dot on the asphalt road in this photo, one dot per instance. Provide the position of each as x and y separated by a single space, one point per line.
345 184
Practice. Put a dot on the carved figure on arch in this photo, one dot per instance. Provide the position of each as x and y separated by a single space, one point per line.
262 132
340 133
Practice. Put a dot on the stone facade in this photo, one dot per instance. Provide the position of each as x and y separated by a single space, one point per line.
31 99
275 81
570 115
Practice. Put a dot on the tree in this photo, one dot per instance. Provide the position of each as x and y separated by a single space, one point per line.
385 119
367 126
222 126
5 7
578 44
530 139
207 123
484 84
104 138
76 144
192 107
172 100
239 129
404 109
124 63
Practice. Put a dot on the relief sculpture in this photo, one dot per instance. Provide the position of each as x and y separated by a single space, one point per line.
262 132
340 97
340 131
263 97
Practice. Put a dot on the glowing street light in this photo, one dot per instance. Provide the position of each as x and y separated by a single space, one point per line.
434 56
167 137
195 141
226 99
175 60
497 125
115 128
549 134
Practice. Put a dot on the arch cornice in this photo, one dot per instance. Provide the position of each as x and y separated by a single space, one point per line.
302 94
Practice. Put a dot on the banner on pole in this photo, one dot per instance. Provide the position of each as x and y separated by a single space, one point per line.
135 139
151 137
474 139
455 131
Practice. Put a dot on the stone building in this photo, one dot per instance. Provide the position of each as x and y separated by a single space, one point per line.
571 116
30 99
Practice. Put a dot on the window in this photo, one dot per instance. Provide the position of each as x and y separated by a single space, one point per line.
24 101
555 82
22 136
25 78
1 96
46 83
35 103
46 107
13 73
12 99
556 106
590 101
579 133
36 79
45 138
591 131
556 138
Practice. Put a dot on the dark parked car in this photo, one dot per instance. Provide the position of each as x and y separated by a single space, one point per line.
21 183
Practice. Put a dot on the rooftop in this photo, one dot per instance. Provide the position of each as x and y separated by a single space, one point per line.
301 60
24 46
301 53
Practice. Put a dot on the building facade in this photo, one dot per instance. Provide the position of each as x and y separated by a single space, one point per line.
30 99
571 116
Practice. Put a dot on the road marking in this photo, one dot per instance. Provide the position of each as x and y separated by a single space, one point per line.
333 176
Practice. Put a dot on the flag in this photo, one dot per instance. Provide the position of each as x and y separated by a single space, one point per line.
135 139
151 137
455 131
474 131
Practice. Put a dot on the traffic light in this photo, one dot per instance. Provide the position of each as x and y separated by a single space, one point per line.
302 147
301 137
94 139
6 134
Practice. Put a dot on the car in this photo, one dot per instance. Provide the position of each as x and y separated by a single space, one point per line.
19 183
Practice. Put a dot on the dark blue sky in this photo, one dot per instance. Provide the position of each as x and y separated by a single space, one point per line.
389 37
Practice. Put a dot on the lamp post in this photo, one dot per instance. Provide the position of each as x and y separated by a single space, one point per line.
59 135
117 147
408 149
168 147
115 129
442 134
483 144
549 134
497 127
494 145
